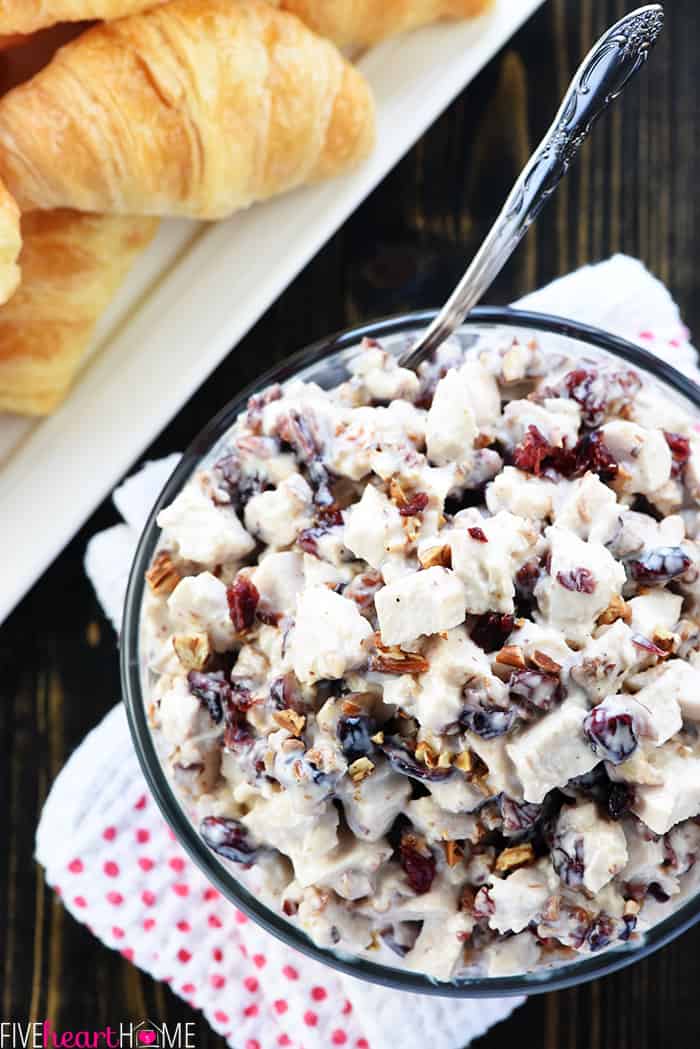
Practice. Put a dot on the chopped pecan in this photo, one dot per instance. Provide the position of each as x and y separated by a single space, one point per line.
665 640
453 853
360 769
516 856
163 576
349 708
617 609
436 556
290 720
193 650
390 659
511 656
425 753
544 662
464 761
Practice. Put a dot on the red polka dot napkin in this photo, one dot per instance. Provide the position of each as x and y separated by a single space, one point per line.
109 855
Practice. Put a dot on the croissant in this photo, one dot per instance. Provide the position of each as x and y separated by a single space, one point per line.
26 16
360 23
71 266
10 244
196 108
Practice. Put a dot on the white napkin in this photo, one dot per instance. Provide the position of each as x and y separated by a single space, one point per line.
109 854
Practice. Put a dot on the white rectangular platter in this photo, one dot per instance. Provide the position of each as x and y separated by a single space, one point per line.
193 296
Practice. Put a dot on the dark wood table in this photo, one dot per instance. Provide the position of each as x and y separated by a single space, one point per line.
633 190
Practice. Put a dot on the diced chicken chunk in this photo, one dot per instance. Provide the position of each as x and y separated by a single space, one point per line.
520 493
279 578
486 553
678 797
519 899
582 580
329 635
557 420
420 603
643 455
201 532
277 516
379 375
600 844
374 529
198 605
588 508
451 427
552 751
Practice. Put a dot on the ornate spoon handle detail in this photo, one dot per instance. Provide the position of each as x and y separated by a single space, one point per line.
600 78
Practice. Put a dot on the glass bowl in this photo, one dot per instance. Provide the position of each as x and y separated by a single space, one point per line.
324 362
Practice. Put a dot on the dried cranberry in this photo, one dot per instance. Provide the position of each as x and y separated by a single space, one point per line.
630 922
584 386
419 867
478 534
601 932
526 579
484 905
620 800
243 598
240 486
531 452
354 733
592 454
680 451
228 838
579 580
308 538
659 894
402 760
518 816
298 432
415 505
534 688
491 630
212 689
568 861
488 721
285 693
612 736
659 566
237 733
409 934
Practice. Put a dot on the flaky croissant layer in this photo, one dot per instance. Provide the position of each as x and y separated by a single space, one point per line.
196 108
71 267
26 16
360 23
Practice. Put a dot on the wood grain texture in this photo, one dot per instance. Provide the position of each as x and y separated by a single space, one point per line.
633 189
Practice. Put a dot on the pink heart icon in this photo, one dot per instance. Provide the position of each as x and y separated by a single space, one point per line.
147 1037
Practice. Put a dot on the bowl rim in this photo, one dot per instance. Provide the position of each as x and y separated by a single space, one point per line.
538 981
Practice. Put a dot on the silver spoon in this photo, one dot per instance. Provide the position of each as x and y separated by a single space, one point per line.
601 77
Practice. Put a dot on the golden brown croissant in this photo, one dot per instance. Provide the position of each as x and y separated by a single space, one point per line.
71 266
26 16
360 23
10 244
196 108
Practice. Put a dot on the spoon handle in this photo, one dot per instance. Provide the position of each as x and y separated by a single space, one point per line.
601 77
